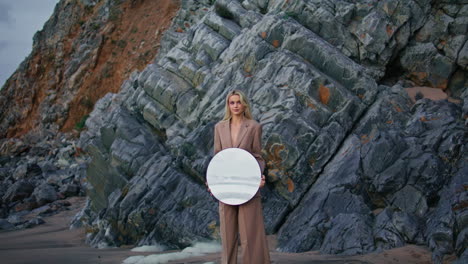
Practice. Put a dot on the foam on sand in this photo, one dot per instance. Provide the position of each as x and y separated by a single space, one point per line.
154 248
198 249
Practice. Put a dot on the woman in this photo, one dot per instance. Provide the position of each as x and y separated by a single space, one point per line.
239 130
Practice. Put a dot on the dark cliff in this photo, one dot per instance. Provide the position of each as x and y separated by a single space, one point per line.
355 164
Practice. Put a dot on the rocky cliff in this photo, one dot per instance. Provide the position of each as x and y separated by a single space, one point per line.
355 164
85 50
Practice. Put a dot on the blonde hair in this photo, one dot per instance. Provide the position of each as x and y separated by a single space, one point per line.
244 102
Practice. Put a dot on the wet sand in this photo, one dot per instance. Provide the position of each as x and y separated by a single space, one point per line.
53 242
403 255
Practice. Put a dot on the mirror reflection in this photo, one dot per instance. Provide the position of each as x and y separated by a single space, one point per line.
233 176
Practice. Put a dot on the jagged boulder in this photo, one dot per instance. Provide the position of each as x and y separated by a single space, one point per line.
18 191
45 193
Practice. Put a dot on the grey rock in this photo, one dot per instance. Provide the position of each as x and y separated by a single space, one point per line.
81 218
463 56
462 241
233 10
463 258
5 225
383 152
407 225
436 25
386 234
209 41
410 200
17 219
69 190
392 178
88 2
305 227
13 147
442 231
355 228
459 25
226 28
45 193
392 228
424 58
20 172
34 222
453 49
18 191
34 170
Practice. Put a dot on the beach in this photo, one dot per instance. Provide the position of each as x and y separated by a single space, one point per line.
53 242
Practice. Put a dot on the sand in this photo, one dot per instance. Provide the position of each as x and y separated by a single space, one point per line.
53 242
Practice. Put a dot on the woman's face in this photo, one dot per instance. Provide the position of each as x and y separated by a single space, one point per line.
235 105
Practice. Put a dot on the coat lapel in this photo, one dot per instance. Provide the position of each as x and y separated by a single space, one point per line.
242 132
227 135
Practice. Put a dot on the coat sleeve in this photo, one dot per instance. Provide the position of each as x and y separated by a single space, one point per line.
257 147
217 141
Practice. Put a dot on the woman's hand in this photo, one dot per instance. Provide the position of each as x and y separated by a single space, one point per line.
262 181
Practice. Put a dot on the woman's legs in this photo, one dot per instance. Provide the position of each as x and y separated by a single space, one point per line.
252 233
229 232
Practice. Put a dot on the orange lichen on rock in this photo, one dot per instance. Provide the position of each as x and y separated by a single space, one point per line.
418 77
290 184
427 79
396 107
312 161
461 205
273 175
324 94
276 43
389 30
274 153
365 139
311 105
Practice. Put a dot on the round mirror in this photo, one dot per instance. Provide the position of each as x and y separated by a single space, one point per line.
233 176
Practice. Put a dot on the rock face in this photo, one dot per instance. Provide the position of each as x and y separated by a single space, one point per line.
85 50
353 163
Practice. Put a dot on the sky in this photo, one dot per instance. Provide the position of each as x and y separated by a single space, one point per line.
19 20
